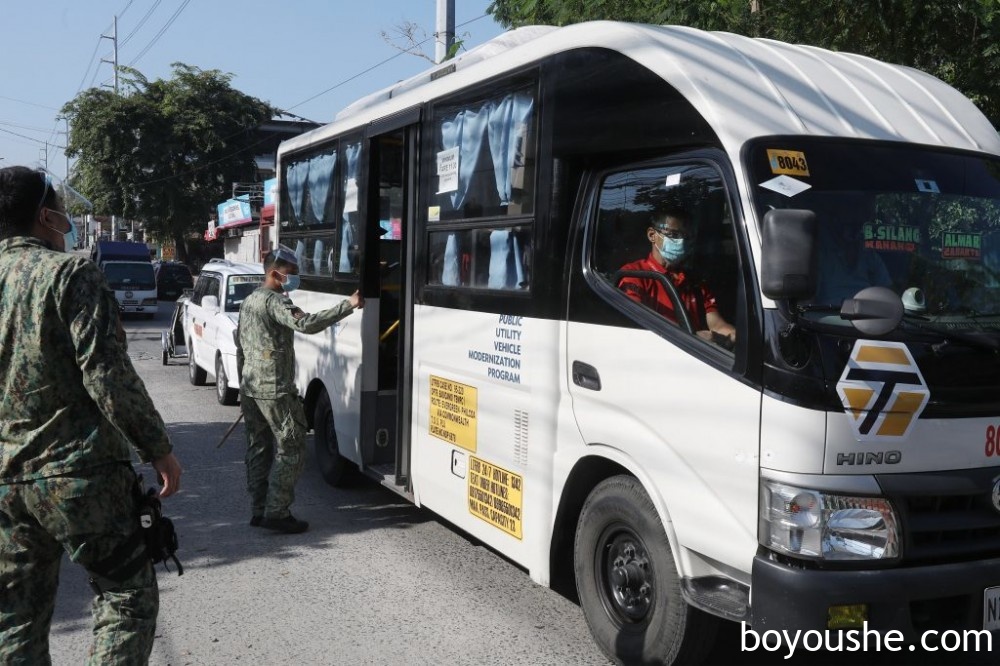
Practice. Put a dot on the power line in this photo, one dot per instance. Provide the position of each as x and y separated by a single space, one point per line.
170 22
21 101
262 140
23 127
348 80
46 143
377 65
142 22
92 56
122 12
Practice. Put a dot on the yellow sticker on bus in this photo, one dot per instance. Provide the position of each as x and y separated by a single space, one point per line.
495 495
791 162
453 412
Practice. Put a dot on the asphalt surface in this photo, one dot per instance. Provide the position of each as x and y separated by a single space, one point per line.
374 581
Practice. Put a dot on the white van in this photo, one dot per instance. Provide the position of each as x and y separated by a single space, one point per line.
129 272
210 318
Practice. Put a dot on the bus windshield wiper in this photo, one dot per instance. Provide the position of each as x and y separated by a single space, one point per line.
984 339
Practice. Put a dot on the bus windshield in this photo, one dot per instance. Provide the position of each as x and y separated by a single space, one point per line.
922 222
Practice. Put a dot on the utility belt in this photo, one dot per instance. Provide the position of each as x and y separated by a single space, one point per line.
154 540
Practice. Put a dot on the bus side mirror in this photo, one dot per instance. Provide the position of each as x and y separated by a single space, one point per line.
789 254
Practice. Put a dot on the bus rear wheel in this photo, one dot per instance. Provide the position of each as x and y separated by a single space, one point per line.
628 584
334 467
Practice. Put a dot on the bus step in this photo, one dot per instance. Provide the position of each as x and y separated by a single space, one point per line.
385 474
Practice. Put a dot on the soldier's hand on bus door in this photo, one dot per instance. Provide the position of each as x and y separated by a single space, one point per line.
356 300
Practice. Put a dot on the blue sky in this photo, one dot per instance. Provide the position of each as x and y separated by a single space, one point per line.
283 51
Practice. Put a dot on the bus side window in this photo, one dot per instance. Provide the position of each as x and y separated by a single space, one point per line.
673 221
481 179
488 258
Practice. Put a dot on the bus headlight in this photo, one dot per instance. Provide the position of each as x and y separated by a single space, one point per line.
822 526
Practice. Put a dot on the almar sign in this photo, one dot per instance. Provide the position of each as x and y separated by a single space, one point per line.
882 391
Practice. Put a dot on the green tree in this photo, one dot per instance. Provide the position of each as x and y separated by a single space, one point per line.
959 42
166 151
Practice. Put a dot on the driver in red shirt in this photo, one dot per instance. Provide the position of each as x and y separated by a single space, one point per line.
670 237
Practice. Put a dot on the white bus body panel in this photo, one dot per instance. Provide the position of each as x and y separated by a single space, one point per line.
692 430
517 417
791 438
333 357
931 445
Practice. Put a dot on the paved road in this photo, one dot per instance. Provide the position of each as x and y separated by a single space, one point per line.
374 581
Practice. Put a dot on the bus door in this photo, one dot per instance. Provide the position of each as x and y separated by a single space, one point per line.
656 383
391 186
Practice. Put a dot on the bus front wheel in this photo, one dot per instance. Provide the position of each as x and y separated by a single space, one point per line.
628 584
333 466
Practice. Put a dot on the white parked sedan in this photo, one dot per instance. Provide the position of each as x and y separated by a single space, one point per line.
210 319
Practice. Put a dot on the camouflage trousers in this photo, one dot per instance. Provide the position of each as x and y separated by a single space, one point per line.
88 515
276 443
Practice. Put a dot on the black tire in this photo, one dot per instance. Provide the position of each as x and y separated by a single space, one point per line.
165 357
224 394
196 374
334 467
628 584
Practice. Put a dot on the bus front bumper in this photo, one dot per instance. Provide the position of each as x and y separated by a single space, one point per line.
910 600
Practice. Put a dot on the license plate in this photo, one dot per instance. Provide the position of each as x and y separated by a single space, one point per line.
130 302
991 609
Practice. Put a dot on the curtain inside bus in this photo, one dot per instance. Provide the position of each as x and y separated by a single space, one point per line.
503 123
507 133
295 176
348 233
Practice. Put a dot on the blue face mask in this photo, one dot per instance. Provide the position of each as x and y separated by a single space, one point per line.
291 282
673 249
69 238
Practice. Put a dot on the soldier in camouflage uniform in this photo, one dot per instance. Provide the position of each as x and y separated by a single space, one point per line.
70 405
275 419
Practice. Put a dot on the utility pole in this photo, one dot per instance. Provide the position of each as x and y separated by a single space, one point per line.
114 63
66 154
444 34
114 41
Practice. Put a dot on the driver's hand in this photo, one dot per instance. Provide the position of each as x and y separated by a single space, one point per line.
723 340
356 300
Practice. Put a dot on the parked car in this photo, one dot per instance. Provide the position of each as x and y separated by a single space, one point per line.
210 318
172 278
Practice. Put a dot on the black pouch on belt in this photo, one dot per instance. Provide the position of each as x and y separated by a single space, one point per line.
157 530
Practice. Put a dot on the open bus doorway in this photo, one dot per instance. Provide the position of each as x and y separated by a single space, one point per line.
387 233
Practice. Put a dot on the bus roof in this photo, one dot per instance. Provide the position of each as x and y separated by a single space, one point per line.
743 87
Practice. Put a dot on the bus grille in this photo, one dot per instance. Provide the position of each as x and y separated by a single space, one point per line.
945 516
